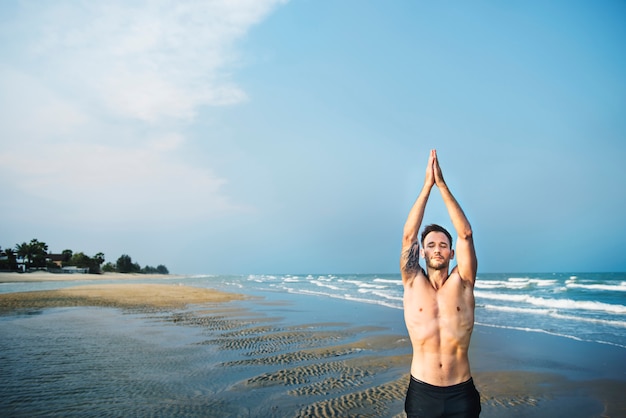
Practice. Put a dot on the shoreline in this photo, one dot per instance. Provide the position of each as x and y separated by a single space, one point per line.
292 357
45 276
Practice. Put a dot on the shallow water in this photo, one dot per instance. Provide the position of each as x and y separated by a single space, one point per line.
195 362
283 355
90 362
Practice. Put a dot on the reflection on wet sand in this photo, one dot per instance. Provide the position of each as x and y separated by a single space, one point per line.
232 360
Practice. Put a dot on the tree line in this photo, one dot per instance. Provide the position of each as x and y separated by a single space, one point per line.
34 255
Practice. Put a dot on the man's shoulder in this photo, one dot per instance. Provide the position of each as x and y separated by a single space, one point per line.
455 276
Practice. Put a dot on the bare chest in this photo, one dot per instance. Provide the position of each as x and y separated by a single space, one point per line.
435 313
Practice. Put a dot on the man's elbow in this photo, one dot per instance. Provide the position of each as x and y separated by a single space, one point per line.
408 238
465 233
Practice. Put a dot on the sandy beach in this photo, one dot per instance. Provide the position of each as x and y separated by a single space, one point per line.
116 296
184 351
44 276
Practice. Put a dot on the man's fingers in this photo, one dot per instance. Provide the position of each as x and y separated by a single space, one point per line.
430 170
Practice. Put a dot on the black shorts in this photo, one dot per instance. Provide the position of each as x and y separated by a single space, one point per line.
426 401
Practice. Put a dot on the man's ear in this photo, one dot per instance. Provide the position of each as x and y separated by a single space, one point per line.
451 254
422 253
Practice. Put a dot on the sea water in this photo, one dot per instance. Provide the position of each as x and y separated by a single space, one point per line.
581 306
88 361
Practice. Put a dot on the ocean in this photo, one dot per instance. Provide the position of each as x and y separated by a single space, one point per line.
581 306
312 345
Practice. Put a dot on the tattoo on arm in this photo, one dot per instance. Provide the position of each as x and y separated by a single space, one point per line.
412 259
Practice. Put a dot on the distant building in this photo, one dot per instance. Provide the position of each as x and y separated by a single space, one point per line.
58 259
74 270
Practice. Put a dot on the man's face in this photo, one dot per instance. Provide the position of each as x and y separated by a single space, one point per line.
437 251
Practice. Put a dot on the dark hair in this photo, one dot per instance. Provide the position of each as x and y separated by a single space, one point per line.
435 228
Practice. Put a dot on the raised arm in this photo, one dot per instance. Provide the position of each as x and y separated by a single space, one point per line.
467 263
409 258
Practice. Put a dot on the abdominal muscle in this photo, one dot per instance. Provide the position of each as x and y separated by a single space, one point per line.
440 324
436 366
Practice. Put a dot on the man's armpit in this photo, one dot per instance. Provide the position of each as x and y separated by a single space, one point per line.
411 258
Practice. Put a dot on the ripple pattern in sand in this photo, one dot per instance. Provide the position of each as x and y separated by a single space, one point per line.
317 369
370 402
273 342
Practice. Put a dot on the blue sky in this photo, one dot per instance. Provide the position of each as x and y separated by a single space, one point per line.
291 137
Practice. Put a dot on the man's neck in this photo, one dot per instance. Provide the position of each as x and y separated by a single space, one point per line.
437 278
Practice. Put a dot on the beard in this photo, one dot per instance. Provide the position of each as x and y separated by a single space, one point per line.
437 263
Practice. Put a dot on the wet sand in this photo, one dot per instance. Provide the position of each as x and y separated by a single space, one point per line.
284 356
115 295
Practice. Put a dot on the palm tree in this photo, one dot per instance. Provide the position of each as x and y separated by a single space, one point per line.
24 251
99 258
33 251
96 262
39 251
11 258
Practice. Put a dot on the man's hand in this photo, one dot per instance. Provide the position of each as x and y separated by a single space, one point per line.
439 181
429 180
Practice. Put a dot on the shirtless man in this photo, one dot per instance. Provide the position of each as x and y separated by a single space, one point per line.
439 308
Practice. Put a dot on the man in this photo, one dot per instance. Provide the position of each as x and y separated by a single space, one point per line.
439 308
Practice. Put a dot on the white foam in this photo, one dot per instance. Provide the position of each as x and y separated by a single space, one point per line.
261 278
201 276
239 285
554 314
500 284
618 324
554 303
539 330
609 287
384 295
364 284
372 301
518 310
514 283
396 282
308 292
543 282
503 285
329 286
543 331
343 297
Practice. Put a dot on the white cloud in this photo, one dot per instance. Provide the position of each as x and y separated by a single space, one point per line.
93 101
149 60
29 111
